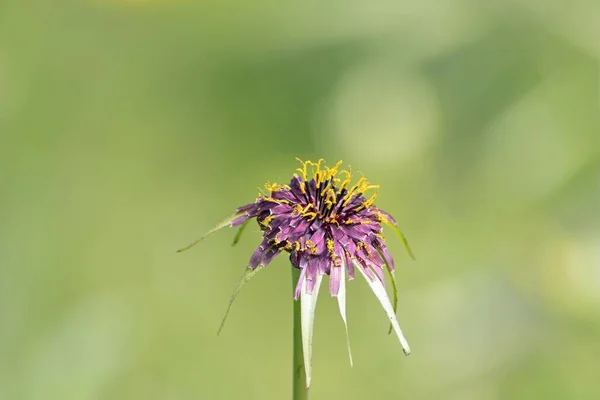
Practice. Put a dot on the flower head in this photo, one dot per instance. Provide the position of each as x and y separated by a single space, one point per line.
329 226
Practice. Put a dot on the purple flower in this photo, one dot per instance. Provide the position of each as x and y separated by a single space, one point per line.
329 227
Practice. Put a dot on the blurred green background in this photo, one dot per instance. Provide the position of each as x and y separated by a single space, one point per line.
128 128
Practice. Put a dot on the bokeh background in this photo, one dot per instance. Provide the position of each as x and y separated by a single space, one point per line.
128 128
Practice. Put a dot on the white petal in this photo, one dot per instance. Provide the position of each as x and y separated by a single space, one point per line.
379 291
308 303
341 297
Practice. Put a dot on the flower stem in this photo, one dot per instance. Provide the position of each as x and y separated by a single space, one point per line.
300 391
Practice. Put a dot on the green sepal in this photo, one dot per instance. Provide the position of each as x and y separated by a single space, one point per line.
220 225
390 274
401 236
238 235
248 274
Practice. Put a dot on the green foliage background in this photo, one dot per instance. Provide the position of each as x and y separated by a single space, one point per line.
127 129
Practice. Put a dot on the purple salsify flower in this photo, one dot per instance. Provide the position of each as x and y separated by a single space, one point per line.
328 227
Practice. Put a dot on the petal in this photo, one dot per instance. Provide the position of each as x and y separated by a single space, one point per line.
283 194
269 256
299 284
318 240
384 253
324 264
247 207
296 185
387 216
312 273
281 209
248 274
363 264
341 297
258 254
308 303
350 267
220 225
335 278
240 220
379 291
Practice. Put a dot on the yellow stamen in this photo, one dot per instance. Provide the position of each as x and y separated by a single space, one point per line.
330 245
335 182
346 180
311 246
302 170
267 221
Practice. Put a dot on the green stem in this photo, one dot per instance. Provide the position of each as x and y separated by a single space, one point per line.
300 392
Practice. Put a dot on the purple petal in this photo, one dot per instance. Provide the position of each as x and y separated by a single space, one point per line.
386 254
324 264
299 284
379 271
281 209
362 264
284 194
350 267
359 232
258 255
245 208
318 239
269 256
239 220
387 216
295 259
334 279
312 191
295 184
311 273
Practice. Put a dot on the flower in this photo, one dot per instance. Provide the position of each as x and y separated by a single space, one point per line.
328 227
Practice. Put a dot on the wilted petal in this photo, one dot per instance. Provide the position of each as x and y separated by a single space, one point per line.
300 283
341 297
379 291
308 303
